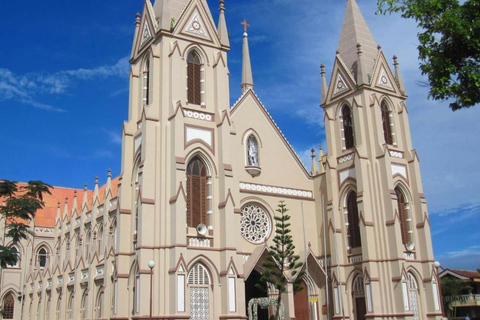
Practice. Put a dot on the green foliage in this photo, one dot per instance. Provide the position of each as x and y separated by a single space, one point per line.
20 203
449 49
452 288
281 258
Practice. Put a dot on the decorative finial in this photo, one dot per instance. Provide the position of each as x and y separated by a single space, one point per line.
379 47
395 62
313 152
66 199
222 6
337 52
321 148
58 205
245 25
137 19
85 187
322 69
96 179
109 174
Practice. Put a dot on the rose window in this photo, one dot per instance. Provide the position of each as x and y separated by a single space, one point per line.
255 224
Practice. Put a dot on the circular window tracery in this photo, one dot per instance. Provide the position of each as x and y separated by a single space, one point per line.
255 224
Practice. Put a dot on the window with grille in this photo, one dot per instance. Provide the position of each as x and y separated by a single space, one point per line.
386 122
146 83
8 306
198 282
348 132
353 220
413 296
403 216
358 288
197 192
194 78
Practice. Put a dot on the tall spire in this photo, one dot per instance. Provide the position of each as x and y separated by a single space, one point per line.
355 31
222 26
247 78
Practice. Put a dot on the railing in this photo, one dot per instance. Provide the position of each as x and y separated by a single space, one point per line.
199 242
355 258
463 298
409 255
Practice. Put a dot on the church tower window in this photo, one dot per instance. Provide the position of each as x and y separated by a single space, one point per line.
348 133
194 78
197 192
386 122
146 82
403 216
359 298
353 221
413 296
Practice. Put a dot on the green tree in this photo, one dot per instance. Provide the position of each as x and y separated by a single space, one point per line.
281 258
20 203
452 288
449 49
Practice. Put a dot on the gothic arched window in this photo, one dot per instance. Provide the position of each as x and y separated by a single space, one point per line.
353 220
42 257
8 306
386 122
348 132
194 78
199 283
70 307
413 296
197 192
84 305
99 304
146 83
403 216
252 151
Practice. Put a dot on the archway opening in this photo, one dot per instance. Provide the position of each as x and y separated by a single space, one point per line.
252 291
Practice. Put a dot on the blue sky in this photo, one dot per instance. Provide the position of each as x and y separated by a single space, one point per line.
64 96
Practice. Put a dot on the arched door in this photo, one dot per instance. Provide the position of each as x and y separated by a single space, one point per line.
359 298
301 303
252 291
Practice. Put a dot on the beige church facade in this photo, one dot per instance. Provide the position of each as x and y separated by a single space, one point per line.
182 233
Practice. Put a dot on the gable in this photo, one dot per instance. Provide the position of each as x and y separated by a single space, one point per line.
383 78
280 165
341 83
146 30
197 23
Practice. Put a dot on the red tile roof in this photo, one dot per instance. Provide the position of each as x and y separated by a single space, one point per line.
466 273
46 216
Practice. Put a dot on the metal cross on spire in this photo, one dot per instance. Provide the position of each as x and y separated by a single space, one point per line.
245 25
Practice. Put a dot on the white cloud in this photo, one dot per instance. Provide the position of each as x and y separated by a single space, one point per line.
26 88
114 136
466 259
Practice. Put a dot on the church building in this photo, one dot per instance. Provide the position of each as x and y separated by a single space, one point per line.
184 230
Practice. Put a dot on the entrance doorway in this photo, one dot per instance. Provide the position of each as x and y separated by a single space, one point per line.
251 291
301 303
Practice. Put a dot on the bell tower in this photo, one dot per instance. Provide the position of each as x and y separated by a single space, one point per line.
176 186
377 212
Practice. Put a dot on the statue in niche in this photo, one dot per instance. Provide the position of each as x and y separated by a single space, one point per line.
252 148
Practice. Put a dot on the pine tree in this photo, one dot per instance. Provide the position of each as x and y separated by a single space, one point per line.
281 258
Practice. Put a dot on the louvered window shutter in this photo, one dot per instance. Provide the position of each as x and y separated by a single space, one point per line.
196 193
387 128
353 221
402 213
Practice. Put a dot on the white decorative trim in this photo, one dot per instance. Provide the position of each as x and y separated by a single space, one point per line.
346 158
198 115
43 230
383 80
84 274
71 277
341 85
275 190
59 280
146 35
196 25
409 255
355 258
199 242
396 154
49 283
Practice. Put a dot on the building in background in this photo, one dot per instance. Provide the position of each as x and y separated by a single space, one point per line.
467 300
182 232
